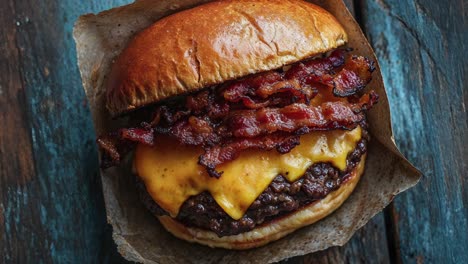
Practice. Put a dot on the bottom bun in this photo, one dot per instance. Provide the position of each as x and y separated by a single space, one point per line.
274 229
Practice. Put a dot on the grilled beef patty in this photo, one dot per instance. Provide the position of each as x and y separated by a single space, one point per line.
280 198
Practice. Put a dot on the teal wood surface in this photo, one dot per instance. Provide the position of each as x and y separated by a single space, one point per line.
421 46
51 203
51 206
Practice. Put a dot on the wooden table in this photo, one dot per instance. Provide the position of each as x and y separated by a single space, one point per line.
51 206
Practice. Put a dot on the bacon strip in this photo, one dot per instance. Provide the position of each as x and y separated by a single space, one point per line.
256 92
114 146
317 70
220 154
238 90
138 135
265 111
110 154
355 75
329 115
292 88
367 101
264 121
254 131
195 132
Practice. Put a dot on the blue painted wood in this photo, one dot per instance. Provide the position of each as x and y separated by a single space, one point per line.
51 208
65 221
51 202
421 48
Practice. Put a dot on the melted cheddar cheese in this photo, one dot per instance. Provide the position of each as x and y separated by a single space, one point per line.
171 173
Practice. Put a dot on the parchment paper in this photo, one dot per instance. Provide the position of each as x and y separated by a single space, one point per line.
140 237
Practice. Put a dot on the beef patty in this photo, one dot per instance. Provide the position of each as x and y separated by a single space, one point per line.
280 198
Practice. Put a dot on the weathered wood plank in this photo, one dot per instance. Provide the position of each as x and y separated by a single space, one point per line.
50 195
52 209
421 48
16 164
61 125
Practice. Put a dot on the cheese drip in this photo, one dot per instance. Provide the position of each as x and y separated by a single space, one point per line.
171 173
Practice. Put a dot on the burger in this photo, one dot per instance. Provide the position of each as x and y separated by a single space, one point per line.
245 120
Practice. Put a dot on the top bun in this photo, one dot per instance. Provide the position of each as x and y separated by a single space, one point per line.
214 43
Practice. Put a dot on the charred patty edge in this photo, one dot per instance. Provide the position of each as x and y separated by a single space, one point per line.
280 198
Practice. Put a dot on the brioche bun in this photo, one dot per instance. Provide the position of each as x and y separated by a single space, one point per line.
214 43
218 42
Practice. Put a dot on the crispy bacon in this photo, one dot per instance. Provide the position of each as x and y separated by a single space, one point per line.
368 100
195 132
165 115
111 153
329 115
235 91
254 104
143 135
265 111
318 70
114 146
302 79
295 91
205 102
264 90
220 154
355 75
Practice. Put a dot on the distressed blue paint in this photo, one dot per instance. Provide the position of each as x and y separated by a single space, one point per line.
66 220
420 49
58 215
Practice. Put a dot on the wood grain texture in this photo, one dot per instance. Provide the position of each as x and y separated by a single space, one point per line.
421 48
51 202
16 162
51 207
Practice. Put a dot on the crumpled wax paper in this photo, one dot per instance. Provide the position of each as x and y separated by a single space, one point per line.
139 236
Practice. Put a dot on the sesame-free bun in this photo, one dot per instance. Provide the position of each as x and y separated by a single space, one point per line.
214 43
273 230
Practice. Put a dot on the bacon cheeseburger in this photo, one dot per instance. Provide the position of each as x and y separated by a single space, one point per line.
247 120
